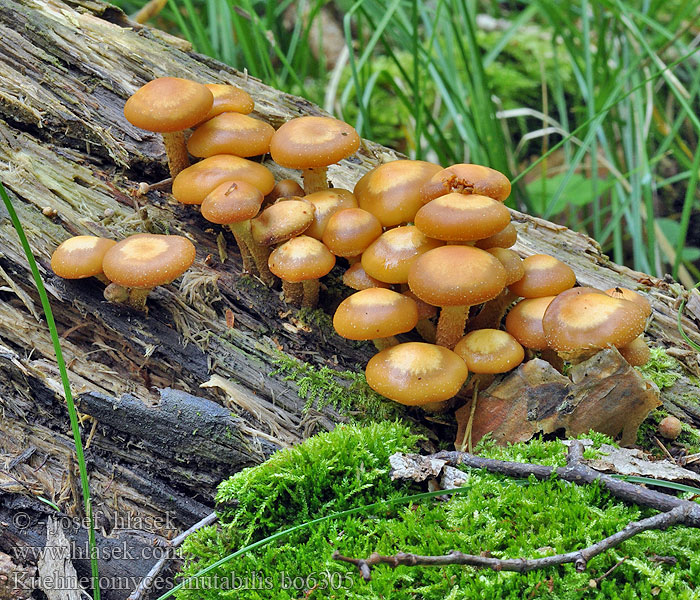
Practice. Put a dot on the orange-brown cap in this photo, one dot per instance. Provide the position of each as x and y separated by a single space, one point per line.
391 255
625 294
232 202
231 133
375 313
467 179
456 276
391 191
284 188
193 184
524 322
350 230
637 352
281 221
300 259
459 218
490 351
511 262
416 373
591 319
544 276
168 104
80 256
307 142
146 260
357 279
503 239
326 203
228 98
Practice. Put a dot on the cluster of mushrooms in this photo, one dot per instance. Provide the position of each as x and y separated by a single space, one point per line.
418 239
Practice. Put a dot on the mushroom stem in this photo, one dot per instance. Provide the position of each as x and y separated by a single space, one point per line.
134 297
492 312
311 288
427 330
254 255
315 179
450 328
467 440
137 298
293 292
176 151
386 342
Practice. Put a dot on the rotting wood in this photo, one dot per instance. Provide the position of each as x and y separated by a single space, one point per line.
67 69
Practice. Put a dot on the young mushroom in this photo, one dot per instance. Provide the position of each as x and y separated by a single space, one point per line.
282 221
349 231
228 98
80 257
357 279
143 261
299 263
169 105
467 179
231 133
375 314
312 144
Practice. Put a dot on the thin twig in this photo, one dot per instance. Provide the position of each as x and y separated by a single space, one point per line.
148 581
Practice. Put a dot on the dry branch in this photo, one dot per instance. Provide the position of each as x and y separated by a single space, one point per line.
675 511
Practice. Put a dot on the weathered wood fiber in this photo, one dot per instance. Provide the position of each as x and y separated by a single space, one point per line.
65 72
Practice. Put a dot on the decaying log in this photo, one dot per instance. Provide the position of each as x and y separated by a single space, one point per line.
157 440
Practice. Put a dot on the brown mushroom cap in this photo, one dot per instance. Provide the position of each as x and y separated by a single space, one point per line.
391 255
80 256
524 322
391 191
284 188
350 230
357 279
459 218
637 352
375 313
670 427
544 276
511 262
146 260
467 179
456 276
300 259
416 373
228 98
490 351
281 221
168 104
232 202
591 320
625 294
307 142
193 184
503 239
326 203
231 133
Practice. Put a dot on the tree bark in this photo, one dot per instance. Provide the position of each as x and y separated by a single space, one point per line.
157 441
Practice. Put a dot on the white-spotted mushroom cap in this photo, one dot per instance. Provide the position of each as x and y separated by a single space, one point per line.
300 259
416 373
632 296
146 260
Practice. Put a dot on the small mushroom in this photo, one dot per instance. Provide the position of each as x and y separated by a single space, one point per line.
80 257
169 105
670 427
637 352
349 231
417 374
282 221
231 133
357 279
284 188
143 261
312 144
299 263
544 276
228 98
503 239
467 179
326 204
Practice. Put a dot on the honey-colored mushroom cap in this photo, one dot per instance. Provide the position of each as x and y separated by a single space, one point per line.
467 179
591 320
459 218
231 133
632 296
391 191
456 276
490 351
524 322
232 202
281 221
511 262
228 98
375 313
146 260
80 256
416 373
193 184
544 276
503 239
358 279
350 230
326 204
307 142
168 104
300 259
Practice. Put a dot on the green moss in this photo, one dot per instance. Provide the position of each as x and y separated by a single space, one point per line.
346 391
348 468
316 317
662 369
